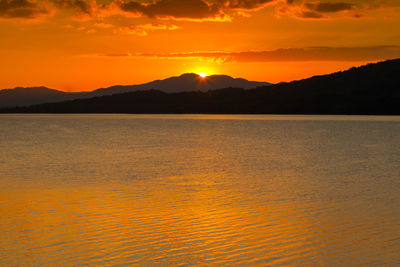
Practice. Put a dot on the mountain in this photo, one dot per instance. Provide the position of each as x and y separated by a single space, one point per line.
21 96
188 82
370 89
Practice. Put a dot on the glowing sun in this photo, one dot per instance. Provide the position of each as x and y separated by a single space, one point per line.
202 74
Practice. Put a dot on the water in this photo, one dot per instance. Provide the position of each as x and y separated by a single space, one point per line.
114 190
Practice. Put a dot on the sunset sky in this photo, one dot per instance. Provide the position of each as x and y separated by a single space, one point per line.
76 45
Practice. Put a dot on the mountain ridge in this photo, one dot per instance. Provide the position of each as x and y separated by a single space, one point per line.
184 83
373 89
25 96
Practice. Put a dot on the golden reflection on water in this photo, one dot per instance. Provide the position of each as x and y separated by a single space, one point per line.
198 192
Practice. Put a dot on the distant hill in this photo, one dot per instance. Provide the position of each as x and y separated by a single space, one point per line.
370 89
188 82
21 96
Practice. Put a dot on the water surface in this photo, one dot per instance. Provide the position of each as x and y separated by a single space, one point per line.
216 190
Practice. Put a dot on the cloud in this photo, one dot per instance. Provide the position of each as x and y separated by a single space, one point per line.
85 10
319 10
335 9
224 10
188 9
102 25
22 9
329 7
145 29
243 4
193 9
295 54
81 6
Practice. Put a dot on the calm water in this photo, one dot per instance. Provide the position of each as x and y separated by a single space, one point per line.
199 190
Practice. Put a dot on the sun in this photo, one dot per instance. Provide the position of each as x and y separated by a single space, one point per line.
202 74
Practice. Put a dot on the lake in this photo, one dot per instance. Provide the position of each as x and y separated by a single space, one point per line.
182 190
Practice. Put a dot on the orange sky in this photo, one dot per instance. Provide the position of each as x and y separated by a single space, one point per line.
76 45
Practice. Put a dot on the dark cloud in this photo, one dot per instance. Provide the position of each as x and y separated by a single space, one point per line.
310 15
243 4
316 9
298 54
81 6
20 9
329 7
192 9
219 9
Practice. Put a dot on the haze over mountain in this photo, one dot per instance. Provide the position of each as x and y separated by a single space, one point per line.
370 89
188 82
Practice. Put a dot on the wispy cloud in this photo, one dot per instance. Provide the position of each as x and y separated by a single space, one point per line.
145 29
295 54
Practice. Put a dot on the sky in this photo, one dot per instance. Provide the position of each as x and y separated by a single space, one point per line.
82 45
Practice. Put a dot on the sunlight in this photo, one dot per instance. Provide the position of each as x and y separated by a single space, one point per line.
202 74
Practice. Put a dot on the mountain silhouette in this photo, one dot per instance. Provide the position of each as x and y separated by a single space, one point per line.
370 89
188 82
21 96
